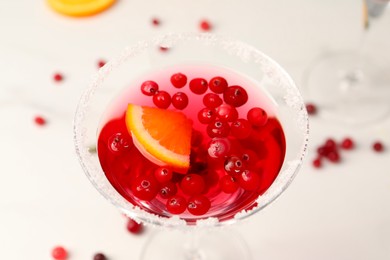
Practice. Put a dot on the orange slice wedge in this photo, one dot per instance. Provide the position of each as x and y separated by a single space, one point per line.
163 136
80 7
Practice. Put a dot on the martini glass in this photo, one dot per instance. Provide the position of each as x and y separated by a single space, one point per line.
351 87
200 238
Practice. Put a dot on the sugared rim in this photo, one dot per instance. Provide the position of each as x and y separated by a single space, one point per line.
246 53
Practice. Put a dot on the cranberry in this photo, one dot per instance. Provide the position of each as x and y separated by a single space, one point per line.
118 143
323 150
167 190
156 22
228 184
163 174
311 109
178 80
180 100
59 253
235 96
133 226
218 85
347 144
241 128
163 49
378 146
162 99
176 204
257 116
218 128
212 100
249 158
101 63
205 25
40 120
226 112
218 147
233 165
317 163
145 187
149 88
206 115
333 156
198 205
99 256
198 86
249 180
58 77
192 184
330 144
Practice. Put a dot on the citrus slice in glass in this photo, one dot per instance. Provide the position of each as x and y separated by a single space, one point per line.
80 7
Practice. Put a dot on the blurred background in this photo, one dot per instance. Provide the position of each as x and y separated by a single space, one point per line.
336 211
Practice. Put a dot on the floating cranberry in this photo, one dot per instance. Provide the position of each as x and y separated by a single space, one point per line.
149 88
99 256
39 120
347 143
235 96
145 187
333 156
241 128
163 174
212 100
377 146
118 143
218 147
198 205
101 63
198 86
257 116
180 100
168 190
226 112
206 115
317 163
218 85
59 253
162 99
156 22
233 165
218 128
176 204
205 25
179 80
192 184
58 77
249 180
228 184
311 109
133 226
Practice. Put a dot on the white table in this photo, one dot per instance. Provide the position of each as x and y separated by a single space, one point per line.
340 212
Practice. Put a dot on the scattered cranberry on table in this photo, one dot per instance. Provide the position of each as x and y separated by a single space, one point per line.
99 256
205 25
59 253
163 49
39 120
311 108
134 227
377 146
101 63
156 21
58 77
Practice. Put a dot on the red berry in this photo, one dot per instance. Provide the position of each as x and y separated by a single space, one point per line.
226 112
347 144
378 146
163 49
330 144
311 109
163 174
235 96
233 165
40 120
333 156
162 99
118 143
323 151
249 158
180 100
198 86
179 80
176 204
257 116
192 184
101 63
99 256
198 205
241 128
228 184
206 115
212 100
249 180
218 128
155 21
145 188
149 88
317 163
218 85
134 227
205 25
218 147
59 253
168 190
58 77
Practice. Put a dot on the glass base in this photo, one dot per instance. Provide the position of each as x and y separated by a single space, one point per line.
197 245
348 88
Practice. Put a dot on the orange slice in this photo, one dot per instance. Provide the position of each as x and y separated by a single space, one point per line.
80 7
163 136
